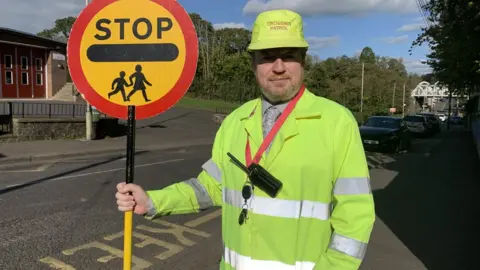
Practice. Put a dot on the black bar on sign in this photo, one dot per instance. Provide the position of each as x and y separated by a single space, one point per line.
159 52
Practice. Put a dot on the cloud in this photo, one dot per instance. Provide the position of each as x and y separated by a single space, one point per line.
228 25
410 27
395 40
416 66
329 7
317 43
34 16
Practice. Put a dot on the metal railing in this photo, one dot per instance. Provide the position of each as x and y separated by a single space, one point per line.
19 109
42 110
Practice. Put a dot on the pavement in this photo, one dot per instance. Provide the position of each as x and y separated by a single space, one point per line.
61 214
174 128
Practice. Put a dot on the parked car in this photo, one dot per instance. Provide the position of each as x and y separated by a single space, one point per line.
385 133
456 120
418 125
434 120
442 117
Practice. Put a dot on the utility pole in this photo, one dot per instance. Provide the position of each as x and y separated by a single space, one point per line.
393 98
449 108
403 101
88 114
361 99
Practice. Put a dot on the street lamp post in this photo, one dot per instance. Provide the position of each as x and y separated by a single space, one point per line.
88 114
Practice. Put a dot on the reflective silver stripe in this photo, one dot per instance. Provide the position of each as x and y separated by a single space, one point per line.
240 262
352 186
349 246
204 200
279 207
213 170
152 211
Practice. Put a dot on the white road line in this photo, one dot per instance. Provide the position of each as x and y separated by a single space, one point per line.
100 172
114 170
40 168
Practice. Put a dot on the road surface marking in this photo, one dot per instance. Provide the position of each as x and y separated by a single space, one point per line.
99 172
204 219
172 249
56 264
178 231
175 230
137 263
114 170
40 168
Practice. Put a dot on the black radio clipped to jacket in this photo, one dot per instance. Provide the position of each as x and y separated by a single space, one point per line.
260 177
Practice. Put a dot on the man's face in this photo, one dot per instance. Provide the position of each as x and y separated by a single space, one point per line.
279 72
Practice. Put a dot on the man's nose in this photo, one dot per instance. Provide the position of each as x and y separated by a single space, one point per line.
279 66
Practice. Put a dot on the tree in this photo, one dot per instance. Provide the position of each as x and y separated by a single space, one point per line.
454 40
367 56
60 31
234 40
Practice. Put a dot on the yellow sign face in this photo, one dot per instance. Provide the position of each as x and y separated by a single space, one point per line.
133 52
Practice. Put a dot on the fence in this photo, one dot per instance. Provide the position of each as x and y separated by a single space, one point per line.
9 110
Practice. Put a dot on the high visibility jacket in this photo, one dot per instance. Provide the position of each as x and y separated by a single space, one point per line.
323 216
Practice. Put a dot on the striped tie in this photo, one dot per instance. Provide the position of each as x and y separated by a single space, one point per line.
271 115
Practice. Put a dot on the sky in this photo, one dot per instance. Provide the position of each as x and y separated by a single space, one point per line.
332 27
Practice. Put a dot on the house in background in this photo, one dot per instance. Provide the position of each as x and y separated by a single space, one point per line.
31 67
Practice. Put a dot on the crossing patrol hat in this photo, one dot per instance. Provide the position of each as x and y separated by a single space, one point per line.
278 29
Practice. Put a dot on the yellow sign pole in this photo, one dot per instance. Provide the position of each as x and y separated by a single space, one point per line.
127 241
128 223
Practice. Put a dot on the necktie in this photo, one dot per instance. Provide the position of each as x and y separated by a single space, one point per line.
271 115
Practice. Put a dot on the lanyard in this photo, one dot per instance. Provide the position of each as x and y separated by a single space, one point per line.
276 127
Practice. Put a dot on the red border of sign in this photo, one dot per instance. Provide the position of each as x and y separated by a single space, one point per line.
151 109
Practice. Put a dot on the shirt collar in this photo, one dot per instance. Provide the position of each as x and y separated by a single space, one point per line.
266 105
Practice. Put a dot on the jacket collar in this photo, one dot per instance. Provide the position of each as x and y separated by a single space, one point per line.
251 117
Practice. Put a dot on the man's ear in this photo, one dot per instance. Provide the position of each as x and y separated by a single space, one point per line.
304 57
253 61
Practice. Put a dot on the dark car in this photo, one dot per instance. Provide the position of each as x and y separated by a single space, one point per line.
418 125
435 120
385 133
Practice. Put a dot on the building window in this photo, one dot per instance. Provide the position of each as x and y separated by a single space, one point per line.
24 78
24 61
39 79
38 64
8 77
8 61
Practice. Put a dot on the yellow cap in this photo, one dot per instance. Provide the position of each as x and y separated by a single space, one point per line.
277 29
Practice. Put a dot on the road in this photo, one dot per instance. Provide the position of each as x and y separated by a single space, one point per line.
62 215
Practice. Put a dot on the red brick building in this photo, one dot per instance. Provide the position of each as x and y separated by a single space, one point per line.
31 67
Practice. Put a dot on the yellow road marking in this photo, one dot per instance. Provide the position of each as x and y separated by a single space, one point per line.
204 219
56 264
114 253
176 230
172 249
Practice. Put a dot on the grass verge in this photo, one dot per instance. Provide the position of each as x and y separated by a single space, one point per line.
210 105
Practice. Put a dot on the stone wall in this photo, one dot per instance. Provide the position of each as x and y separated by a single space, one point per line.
48 129
29 129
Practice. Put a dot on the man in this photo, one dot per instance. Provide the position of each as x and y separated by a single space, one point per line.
323 215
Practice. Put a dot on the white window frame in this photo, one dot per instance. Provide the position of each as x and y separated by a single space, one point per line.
41 78
21 62
5 61
11 77
21 78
